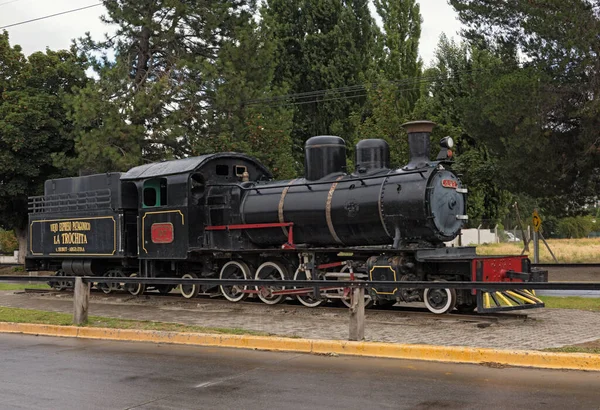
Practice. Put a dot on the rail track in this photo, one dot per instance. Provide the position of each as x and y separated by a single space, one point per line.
566 265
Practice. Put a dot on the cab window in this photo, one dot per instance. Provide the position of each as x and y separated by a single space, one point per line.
155 192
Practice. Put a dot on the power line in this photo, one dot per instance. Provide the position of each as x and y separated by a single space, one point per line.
356 91
50 15
8 2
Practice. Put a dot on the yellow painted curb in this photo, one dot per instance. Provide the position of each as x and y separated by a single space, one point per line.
454 354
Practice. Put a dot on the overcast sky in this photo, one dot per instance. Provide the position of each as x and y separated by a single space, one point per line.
57 32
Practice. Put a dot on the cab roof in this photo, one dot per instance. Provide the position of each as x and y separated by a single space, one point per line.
181 166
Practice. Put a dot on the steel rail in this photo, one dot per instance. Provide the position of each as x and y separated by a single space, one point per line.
315 283
565 265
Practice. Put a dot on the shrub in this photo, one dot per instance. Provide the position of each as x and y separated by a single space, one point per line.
8 241
575 226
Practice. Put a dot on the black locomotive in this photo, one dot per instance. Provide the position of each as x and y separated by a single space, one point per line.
222 215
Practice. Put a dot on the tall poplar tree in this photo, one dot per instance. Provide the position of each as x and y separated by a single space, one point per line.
396 78
322 45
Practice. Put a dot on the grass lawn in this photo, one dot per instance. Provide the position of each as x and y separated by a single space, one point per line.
571 302
21 286
17 315
592 347
584 250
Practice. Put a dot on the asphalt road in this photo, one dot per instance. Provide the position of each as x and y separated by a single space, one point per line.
55 373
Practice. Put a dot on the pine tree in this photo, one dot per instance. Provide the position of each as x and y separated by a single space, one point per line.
241 119
153 94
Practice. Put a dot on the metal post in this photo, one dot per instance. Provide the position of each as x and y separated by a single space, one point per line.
536 247
81 301
479 235
357 314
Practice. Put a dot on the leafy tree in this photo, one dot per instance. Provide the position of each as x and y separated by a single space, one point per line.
33 125
559 39
456 98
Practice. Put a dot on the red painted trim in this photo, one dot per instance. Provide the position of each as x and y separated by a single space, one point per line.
248 226
290 242
330 265
296 291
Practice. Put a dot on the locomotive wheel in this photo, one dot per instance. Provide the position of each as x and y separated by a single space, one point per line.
347 298
235 270
271 270
189 291
109 287
307 299
346 294
439 301
136 289
59 285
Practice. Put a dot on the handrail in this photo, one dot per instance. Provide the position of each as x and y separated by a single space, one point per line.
100 198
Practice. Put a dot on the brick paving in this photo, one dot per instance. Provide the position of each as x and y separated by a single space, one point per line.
541 328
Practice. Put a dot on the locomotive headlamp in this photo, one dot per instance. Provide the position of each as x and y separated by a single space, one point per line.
447 142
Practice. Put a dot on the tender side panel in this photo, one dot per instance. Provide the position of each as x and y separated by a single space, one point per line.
80 235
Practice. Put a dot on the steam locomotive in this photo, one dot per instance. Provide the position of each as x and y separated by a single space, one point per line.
223 216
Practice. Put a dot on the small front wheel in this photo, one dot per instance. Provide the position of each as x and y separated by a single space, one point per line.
440 301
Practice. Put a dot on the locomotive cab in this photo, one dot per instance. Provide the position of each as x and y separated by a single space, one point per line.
178 198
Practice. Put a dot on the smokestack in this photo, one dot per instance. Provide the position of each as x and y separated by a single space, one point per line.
419 142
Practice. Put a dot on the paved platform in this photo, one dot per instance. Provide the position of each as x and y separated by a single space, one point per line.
542 328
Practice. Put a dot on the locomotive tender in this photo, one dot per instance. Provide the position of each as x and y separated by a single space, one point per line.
222 215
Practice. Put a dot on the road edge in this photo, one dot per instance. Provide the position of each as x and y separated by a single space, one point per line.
453 354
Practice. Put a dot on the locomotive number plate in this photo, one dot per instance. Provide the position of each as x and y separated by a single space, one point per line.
162 232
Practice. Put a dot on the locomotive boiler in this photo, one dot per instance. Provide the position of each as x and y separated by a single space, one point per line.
223 215
422 202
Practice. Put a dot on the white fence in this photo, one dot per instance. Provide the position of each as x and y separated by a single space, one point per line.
8 259
475 236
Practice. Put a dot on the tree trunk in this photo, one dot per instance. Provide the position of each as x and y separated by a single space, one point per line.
21 235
